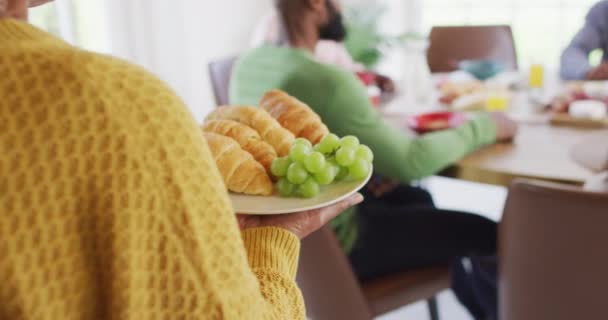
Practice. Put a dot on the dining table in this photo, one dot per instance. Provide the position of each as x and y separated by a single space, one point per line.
541 150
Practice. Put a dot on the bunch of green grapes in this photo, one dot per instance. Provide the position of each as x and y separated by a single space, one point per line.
306 168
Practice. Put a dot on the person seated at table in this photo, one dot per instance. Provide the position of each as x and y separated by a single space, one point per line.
330 49
594 35
397 227
111 205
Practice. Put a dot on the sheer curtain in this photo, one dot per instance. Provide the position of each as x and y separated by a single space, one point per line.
79 22
177 39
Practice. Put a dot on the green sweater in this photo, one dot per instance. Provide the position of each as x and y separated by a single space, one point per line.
341 100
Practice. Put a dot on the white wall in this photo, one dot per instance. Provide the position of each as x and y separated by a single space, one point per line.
176 39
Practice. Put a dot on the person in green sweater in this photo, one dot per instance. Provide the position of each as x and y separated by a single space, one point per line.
397 227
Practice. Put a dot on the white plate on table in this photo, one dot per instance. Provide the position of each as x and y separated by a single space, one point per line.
331 194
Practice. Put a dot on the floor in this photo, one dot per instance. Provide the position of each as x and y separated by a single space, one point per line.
449 309
481 199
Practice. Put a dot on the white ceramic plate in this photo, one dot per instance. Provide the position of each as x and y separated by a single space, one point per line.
273 205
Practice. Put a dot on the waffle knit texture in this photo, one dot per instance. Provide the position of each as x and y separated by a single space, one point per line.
111 206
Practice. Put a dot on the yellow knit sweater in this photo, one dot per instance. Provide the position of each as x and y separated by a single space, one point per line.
110 204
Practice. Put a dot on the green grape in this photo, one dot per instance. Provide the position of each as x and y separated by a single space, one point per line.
342 173
346 156
279 166
299 152
303 141
336 167
329 144
327 175
285 188
364 152
296 173
359 169
309 189
314 162
349 141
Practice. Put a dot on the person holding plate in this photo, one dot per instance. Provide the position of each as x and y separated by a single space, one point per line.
397 227
111 206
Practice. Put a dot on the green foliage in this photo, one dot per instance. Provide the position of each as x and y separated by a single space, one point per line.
365 42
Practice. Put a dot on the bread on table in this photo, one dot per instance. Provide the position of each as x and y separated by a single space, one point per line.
267 127
294 115
240 171
246 137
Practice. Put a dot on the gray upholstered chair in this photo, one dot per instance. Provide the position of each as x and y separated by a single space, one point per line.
220 72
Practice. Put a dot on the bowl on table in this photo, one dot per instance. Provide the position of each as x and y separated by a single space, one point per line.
368 78
481 69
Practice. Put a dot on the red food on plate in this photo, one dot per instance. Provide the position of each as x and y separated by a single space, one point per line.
436 121
580 95
448 99
368 78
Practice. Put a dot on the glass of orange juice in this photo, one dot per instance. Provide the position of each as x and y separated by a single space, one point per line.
537 76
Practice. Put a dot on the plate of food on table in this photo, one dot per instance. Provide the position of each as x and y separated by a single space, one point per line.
583 104
473 95
279 157
436 121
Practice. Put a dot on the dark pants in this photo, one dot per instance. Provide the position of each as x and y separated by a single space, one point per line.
403 230
475 284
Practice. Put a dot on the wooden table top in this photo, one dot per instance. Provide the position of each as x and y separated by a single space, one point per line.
540 151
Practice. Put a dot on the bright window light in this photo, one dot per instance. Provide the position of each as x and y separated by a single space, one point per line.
80 22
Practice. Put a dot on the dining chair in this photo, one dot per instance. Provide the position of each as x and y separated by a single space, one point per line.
220 72
332 292
450 45
553 253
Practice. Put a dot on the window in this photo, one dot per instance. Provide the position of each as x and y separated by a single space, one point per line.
80 22
542 28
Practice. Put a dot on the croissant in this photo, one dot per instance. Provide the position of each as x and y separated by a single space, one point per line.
294 115
268 128
248 138
241 173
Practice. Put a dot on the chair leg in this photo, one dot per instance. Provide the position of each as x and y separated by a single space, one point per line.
433 308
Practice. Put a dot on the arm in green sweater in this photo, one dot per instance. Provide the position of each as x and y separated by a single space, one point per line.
347 111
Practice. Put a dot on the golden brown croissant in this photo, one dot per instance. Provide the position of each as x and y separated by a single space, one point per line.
294 115
248 138
268 128
240 171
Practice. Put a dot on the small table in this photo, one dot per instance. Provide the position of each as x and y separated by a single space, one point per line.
540 151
